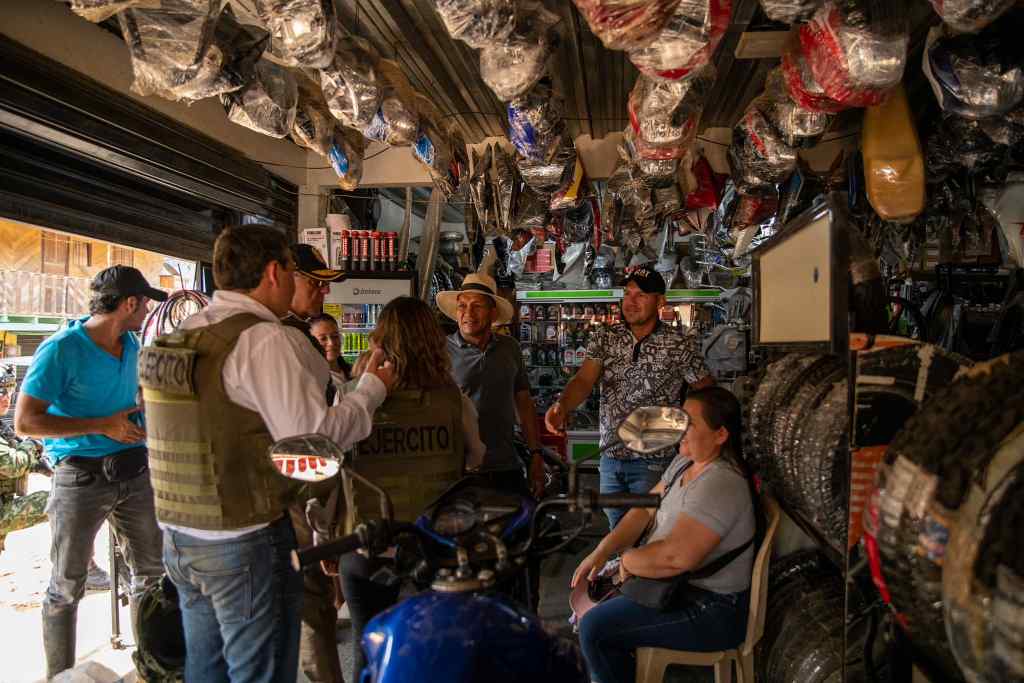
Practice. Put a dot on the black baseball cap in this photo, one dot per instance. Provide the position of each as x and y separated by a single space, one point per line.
647 279
125 281
311 263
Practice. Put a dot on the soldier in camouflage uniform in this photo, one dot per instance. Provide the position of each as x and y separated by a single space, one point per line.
18 457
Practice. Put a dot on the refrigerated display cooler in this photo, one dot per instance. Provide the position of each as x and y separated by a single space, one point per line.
357 301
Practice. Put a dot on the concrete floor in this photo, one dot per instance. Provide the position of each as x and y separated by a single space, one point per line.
25 570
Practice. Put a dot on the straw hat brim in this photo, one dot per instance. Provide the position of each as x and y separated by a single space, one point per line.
448 301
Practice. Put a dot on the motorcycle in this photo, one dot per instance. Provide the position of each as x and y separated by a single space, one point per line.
464 551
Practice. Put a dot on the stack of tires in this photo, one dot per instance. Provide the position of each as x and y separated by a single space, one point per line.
943 525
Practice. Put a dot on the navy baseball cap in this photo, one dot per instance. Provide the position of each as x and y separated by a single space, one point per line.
647 279
125 281
311 263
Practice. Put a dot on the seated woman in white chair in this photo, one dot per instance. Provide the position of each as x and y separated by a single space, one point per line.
706 512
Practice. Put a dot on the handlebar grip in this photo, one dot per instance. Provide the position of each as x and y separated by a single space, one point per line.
326 551
623 500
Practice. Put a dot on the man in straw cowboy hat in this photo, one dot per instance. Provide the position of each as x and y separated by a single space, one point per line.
489 368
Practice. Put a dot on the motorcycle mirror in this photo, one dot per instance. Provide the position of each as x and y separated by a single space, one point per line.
308 458
653 428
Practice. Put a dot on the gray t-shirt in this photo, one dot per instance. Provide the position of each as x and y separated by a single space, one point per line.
492 378
720 500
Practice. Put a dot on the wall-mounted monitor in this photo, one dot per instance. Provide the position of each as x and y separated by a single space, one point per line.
801 283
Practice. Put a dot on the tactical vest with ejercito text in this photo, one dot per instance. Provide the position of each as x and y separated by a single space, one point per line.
208 456
414 452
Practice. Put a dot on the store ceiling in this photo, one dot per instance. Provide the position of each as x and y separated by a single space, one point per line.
594 81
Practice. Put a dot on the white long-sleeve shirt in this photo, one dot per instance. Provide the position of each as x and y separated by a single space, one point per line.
275 371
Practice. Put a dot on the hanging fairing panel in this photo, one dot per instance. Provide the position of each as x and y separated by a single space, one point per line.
511 68
314 125
478 23
549 175
346 157
977 76
798 125
627 24
665 115
758 156
688 41
188 50
302 32
267 104
350 84
970 16
505 188
856 49
482 191
397 122
801 84
535 122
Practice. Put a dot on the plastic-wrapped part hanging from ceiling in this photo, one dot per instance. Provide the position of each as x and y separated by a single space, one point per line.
350 84
801 85
790 11
314 125
267 104
977 76
626 24
665 115
511 68
548 175
433 149
798 125
397 122
535 122
302 32
970 16
687 42
101 10
481 191
857 49
575 255
346 157
758 155
478 23
505 183
187 50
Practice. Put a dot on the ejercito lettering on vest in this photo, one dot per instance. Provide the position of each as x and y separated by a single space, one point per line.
406 439
166 369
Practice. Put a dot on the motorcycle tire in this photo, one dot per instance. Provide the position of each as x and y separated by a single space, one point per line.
943 449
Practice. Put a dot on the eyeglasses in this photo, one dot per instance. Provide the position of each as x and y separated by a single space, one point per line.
318 284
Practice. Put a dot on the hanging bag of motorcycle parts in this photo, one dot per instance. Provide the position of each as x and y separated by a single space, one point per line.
666 594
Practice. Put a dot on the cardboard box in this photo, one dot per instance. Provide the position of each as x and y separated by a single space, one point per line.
316 238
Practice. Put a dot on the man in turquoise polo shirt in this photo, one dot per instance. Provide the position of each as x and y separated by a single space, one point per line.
80 397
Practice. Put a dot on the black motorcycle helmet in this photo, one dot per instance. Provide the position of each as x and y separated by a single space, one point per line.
160 655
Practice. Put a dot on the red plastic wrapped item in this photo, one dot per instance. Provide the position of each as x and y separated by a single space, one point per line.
856 49
687 42
801 86
970 16
758 156
626 24
664 115
707 191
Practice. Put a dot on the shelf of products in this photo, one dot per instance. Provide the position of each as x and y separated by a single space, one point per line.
355 322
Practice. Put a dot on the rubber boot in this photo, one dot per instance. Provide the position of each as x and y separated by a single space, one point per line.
59 640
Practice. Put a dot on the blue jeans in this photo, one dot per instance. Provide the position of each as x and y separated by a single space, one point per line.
241 604
611 631
629 476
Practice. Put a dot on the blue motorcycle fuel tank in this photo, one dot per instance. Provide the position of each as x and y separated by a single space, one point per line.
464 638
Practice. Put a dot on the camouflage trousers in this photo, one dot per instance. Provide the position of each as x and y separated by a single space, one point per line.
21 512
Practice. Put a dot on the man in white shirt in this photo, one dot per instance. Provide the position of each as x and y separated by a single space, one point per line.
253 381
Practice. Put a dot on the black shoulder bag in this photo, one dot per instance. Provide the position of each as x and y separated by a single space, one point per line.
666 594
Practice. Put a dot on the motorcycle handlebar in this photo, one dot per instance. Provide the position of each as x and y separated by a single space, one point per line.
326 551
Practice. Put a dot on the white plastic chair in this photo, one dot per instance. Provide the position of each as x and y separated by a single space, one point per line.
651 662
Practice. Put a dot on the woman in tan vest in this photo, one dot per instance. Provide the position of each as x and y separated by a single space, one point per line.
425 435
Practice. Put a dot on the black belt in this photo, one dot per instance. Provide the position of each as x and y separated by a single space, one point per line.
120 466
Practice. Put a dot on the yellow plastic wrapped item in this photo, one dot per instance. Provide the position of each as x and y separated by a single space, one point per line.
893 161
